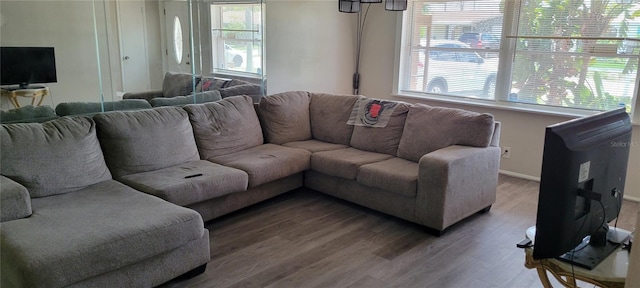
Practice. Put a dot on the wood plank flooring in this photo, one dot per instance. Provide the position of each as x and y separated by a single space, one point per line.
307 239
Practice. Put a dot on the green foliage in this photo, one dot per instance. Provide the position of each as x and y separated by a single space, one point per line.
562 78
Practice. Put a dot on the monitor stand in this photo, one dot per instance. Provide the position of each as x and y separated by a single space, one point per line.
595 248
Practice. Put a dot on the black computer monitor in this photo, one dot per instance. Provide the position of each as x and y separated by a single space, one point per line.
581 187
27 65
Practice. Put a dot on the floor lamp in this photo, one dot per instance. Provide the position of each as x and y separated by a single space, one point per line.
353 6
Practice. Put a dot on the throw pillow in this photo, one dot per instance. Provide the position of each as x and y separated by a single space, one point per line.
178 84
210 84
428 129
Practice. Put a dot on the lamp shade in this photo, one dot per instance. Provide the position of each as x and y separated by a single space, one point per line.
395 5
348 6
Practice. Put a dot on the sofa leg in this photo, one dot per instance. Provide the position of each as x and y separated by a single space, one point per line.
486 209
194 272
434 232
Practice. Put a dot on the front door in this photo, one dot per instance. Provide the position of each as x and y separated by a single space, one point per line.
178 56
133 46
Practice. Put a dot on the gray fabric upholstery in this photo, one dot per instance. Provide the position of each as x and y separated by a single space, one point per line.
267 162
329 115
443 197
315 145
15 201
285 117
78 108
200 97
178 84
86 233
371 197
225 204
382 139
433 128
395 175
246 89
64 155
344 162
146 95
210 181
146 140
28 114
225 127
156 270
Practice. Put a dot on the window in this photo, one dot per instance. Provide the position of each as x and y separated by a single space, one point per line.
177 39
237 38
570 54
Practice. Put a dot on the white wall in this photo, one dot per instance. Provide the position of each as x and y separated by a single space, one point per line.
308 47
304 57
68 27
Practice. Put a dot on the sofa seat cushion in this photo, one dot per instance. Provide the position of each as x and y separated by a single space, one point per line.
55 157
395 175
285 117
267 162
189 182
146 140
82 234
315 145
225 127
344 162
329 115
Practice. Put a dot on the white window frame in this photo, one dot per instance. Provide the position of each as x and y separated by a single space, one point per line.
507 50
215 54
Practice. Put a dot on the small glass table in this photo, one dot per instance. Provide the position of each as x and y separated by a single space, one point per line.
610 273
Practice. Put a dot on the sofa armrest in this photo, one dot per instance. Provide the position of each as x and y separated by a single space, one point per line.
15 201
148 95
454 183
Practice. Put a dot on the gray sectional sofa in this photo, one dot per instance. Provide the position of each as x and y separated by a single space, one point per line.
119 199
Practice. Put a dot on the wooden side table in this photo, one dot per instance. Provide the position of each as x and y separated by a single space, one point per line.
610 273
36 94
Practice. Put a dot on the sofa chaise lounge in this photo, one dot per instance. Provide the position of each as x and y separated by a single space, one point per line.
125 203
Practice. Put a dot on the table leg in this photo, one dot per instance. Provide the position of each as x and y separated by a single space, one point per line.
14 100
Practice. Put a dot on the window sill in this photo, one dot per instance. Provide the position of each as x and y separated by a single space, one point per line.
503 105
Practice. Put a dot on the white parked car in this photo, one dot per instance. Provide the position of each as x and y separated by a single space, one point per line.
453 70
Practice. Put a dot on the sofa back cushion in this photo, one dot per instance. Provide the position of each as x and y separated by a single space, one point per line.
329 115
54 157
145 140
178 84
226 126
285 117
428 129
198 97
382 139
76 108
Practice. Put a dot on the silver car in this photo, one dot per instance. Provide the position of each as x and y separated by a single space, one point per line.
452 69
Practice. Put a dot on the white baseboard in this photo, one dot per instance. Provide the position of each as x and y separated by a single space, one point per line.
537 179
519 175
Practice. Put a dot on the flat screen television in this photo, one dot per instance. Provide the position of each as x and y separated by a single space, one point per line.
581 187
27 65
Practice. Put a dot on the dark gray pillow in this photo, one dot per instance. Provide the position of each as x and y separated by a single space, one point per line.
55 157
178 84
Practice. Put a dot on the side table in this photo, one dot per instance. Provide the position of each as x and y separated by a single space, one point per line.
33 93
610 273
